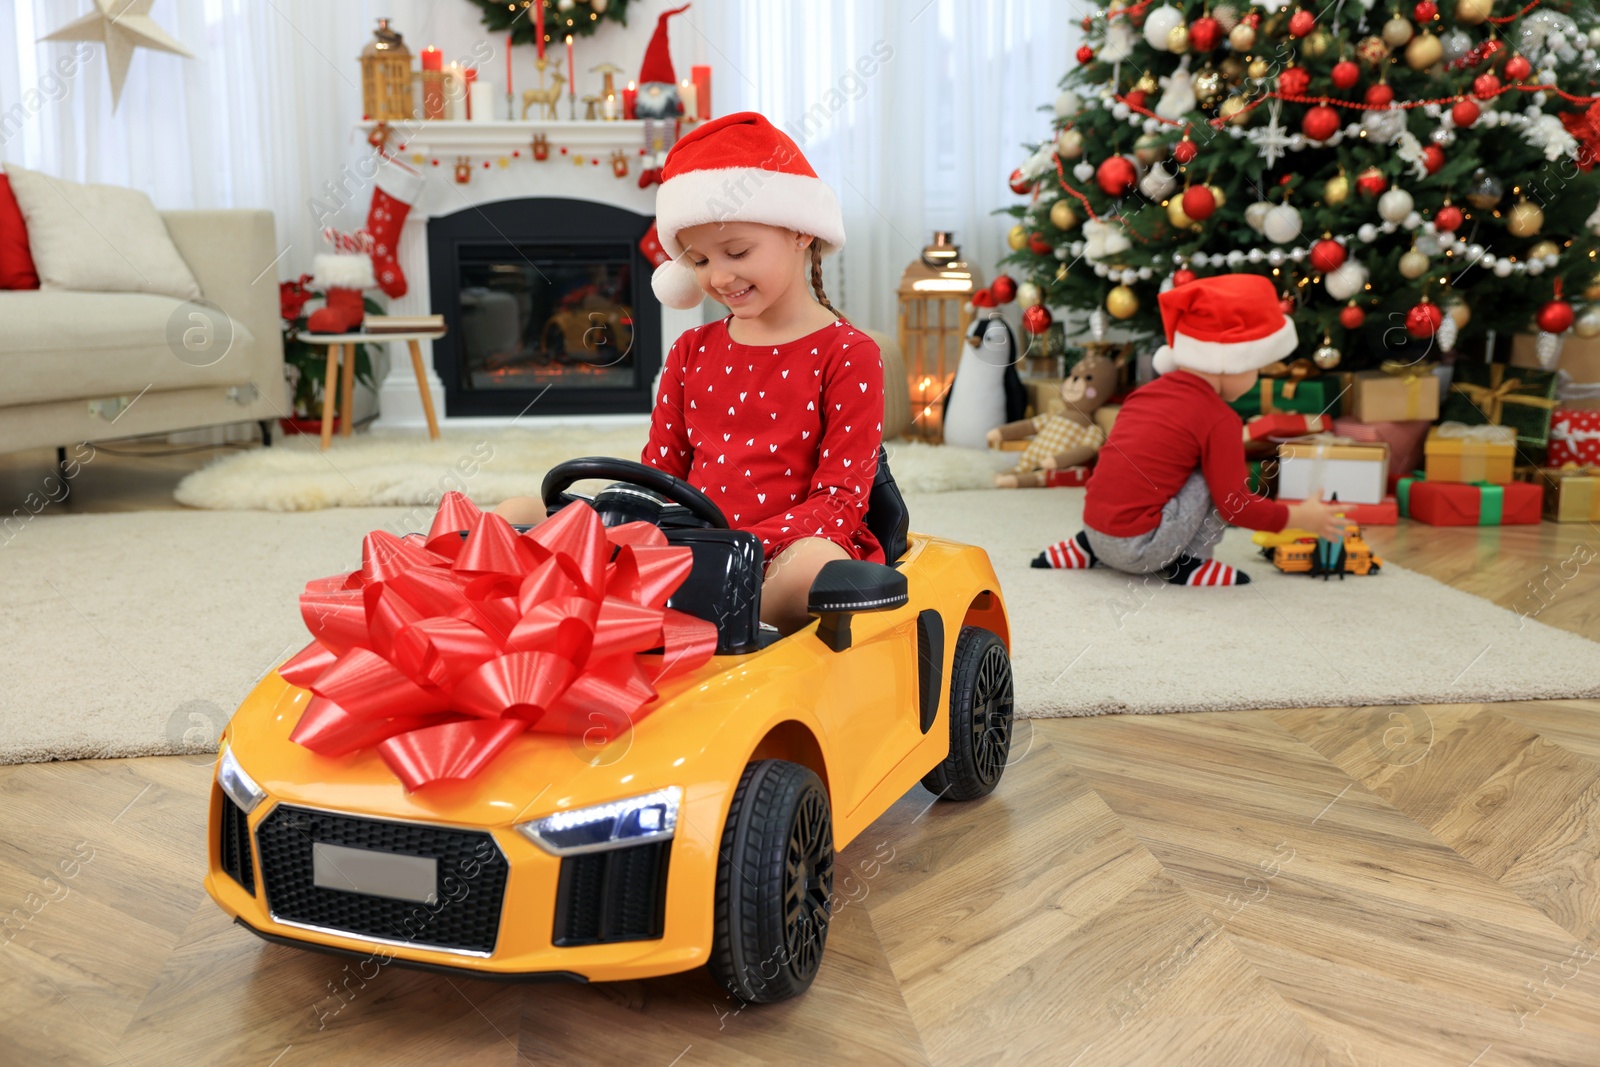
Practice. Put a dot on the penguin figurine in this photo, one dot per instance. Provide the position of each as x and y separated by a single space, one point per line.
990 391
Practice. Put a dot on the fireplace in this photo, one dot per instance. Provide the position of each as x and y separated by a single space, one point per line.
548 306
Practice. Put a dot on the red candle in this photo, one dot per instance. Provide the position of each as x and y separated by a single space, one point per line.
702 90
432 58
572 71
538 26
630 98
508 66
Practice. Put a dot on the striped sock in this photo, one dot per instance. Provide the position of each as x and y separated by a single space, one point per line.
1073 554
1187 570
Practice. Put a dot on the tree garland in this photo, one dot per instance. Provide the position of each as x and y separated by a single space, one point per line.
581 18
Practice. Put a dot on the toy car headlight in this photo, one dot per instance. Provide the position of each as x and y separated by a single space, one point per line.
634 821
239 786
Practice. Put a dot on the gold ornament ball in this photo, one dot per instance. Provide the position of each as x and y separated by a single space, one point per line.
1423 51
1588 324
1593 290
1233 110
1216 194
1336 190
1061 272
1544 248
1524 219
1458 311
1062 216
1258 69
1208 86
1232 70
1327 357
1149 148
1178 39
1397 31
1017 238
1069 144
1472 12
1175 213
1372 51
1316 46
1122 302
1413 264
1146 84
1029 294
1242 38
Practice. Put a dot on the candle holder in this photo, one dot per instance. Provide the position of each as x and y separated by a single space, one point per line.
433 93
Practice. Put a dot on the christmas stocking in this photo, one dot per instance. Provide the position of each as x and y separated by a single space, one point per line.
393 194
341 276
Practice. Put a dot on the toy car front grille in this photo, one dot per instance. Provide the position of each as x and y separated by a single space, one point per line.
235 845
464 917
616 895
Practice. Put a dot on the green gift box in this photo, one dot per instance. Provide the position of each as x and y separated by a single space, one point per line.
1269 396
1497 395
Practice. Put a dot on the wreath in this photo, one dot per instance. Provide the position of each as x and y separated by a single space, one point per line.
561 17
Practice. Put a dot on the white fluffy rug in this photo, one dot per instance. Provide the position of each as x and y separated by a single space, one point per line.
394 468
139 633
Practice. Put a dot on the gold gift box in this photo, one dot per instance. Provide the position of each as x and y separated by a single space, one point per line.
1470 454
1395 396
1571 494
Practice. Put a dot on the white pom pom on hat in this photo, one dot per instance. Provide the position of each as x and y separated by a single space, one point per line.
1225 324
739 168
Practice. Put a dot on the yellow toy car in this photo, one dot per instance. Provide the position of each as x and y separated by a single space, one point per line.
1302 552
704 835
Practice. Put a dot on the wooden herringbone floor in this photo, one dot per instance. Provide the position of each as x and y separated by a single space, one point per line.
1414 885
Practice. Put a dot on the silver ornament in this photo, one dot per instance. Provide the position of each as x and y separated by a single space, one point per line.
1588 324
1446 334
1443 136
1327 357
1455 43
1385 126
1097 324
1548 349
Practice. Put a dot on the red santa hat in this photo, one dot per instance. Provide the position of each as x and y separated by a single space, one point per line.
1226 324
657 65
739 168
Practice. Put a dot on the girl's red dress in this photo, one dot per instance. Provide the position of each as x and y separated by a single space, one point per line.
783 438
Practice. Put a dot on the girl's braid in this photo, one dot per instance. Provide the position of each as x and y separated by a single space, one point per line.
816 276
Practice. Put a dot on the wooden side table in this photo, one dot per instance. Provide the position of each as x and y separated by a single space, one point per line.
342 348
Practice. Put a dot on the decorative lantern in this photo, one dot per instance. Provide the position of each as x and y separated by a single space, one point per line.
386 76
935 294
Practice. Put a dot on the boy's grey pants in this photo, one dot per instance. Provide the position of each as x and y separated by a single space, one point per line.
1184 530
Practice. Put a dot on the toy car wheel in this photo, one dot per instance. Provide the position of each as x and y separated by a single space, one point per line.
774 883
980 718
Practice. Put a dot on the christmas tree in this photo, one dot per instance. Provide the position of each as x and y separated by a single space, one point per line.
1408 176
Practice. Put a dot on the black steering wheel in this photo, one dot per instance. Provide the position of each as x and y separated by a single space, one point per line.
675 490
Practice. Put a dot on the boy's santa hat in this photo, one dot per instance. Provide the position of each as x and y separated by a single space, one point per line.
657 65
1226 324
739 168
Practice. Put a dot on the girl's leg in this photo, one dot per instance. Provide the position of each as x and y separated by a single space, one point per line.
788 582
521 510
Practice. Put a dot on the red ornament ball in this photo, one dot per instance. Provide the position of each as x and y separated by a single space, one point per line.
1423 320
1036 320
1182 276
1301 23
1198 203
1433 158
1004 289
1485 86
1135 98
1425 11
1555 316
1371 182
1116 176
1320 123
1185 150
1448 219
1039 244
1085 54
1294 81
1327 255
1465 113
1020 185
1518 68
1286 305
983 298
1379 95
1346 73
1352 317
1205 34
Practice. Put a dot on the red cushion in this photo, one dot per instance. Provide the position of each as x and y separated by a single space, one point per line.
16 262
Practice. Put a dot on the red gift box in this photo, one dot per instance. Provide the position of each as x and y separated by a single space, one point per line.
1574 438
1283 425
1460 503
1385 514
1070 476
1405 441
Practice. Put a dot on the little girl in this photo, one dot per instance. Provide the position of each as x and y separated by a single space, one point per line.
776 411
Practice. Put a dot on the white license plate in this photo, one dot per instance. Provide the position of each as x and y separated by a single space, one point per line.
379 874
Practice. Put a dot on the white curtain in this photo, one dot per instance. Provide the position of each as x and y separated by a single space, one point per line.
915 111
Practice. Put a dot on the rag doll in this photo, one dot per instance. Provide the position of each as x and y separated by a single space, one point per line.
1065 439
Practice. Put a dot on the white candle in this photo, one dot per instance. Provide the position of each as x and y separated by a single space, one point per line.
455 97
482 101
609 107
687 94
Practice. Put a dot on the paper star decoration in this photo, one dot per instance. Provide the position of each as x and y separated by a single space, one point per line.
122 26
1272 138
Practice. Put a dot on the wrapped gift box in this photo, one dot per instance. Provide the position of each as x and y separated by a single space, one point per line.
1385 513
1263 427
1456 504
1574 438
1455 452
1273 395
1403 438
1395 394
1571 494
1358 471
1498 395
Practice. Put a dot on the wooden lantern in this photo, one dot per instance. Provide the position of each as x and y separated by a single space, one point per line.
386 76
935 311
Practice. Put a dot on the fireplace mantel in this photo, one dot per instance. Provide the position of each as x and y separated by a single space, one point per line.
512 173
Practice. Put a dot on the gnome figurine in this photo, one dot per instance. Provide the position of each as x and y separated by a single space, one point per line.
658 103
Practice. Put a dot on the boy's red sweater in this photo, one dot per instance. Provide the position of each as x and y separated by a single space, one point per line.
1165 432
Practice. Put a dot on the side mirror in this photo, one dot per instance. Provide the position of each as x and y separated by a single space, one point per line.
846 586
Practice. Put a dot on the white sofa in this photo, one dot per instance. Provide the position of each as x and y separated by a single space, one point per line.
72 363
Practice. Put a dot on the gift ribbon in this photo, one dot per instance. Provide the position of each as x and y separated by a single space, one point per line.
439 651
1491 399
1412 375
1491 499
1402 492
1568 390
1291 374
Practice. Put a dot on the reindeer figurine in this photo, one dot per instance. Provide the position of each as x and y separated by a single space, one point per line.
548 97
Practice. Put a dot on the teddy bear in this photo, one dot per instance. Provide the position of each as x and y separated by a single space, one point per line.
1069 438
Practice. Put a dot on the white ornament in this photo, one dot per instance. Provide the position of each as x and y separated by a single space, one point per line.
1255 255
1158 24
1282 224
1178 99
1067 104
1103 240
1367 233
1412 222
1535 267
1502 268
1119 41
1158 183
1446 334
1256 214
1395 205
1346 281
121 27
1384 126
1275 257
1097 324
1272 139
1548 348
1083 171
1235 258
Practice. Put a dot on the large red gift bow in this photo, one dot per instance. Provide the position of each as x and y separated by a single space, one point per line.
438 652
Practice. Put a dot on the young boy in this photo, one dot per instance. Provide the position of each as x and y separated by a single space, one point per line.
1172 474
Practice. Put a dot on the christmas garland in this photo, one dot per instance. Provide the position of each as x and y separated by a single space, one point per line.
580 18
